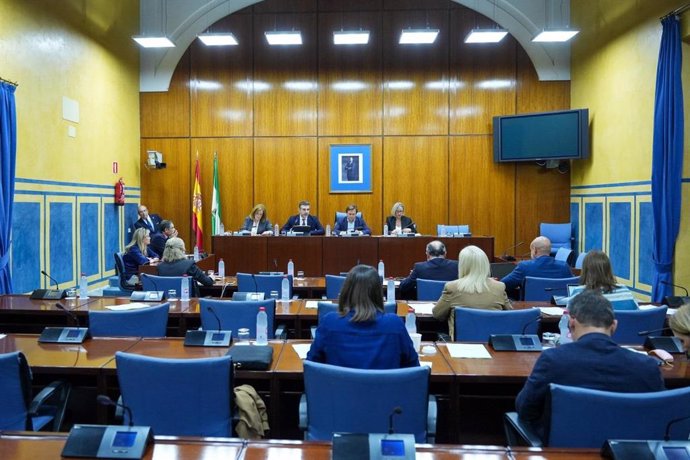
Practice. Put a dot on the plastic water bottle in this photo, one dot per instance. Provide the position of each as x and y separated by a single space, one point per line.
328 229
221 229
83 287
564 328
261 327
196 253
385 229
276 230
382 270
221 268
411 322
185 288
442 230
285 289
390 293
291 268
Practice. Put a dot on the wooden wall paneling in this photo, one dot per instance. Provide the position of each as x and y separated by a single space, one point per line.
285 174
482 193
538 96
235 179
220 83
168 191
285 78
370 204
167 114
482 83
415 172
415 77
350 96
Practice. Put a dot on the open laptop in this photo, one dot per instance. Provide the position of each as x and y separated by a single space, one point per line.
573 289
301 229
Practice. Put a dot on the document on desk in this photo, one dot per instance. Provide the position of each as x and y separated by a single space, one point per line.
425 363
468 350
301 349
313 304
552 311
129 306
422 308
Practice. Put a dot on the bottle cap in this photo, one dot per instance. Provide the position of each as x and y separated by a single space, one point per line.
262 309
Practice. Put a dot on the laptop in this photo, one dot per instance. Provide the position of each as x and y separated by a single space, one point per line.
301 229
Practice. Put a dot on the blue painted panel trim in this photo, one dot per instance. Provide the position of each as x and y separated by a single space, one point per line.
70 194
575 220
70 184
620 216
26 244
111 234
594 226
619 184
88 230
581 195
131 216
61 241
646 235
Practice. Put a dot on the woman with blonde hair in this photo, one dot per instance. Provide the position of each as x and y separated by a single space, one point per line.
473 289
398 222
176 263
679 323
137 253
257 223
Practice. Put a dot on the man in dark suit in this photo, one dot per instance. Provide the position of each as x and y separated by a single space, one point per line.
146 220
436 267
351 223
304 218
541 265
593 361
166 230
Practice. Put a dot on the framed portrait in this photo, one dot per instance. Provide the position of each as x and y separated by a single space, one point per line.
350 168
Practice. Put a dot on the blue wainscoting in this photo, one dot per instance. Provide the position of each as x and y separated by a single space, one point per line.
646 243
88 238
594 226
61 241
111 232
25 257
620 238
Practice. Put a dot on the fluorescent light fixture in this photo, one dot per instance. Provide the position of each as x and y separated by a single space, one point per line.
291 37
350 37
154 42
555 35
486 36
218 39
418 36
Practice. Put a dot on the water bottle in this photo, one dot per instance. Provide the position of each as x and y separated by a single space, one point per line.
564 328
221 268
184 288
442 230
411 322
285 289
83 287
390 293
276 230
261 327
221 229
328 229
382 270
291 268
196 253
385 229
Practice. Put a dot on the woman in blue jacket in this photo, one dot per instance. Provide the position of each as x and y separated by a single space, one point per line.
137 253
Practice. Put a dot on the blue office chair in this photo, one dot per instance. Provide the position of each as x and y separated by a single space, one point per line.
630 322
341 399
18 411
324 308
541 289
145 322
561 235
581 417
501 269
580 258
234 315
247 282
476 324
178 397
165 283
564 255
120 271
429 289
334 284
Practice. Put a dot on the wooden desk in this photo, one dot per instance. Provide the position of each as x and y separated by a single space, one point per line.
342 253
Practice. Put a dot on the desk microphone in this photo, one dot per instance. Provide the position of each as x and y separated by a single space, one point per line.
213 312
397 410
652 331
275 264
256 286
69 313
106 401
222 291
410 225
674 301
663 282
57 286
507 256
667 433
529 323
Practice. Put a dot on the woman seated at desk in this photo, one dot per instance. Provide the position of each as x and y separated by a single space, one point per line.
360 335
137 253
398 222
176 263
257 222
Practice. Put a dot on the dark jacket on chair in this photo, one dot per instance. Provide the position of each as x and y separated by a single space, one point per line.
438 268
185 267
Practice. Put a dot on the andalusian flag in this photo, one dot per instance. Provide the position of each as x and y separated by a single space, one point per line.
215 201
196 208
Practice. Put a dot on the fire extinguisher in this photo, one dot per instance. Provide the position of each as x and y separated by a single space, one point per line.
120 192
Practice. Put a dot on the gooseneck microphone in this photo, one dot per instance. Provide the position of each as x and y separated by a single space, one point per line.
667 433
69 313
106 401
529 323
57 286
653 331
507 256
213 312
256 288
663 282
397 410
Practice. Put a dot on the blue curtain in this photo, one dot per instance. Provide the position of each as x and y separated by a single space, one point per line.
667 156
8 154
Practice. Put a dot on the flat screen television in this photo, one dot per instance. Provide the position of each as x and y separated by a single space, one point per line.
562 135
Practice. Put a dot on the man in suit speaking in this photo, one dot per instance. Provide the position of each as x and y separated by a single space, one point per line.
351 223
146 220
436 267
304 219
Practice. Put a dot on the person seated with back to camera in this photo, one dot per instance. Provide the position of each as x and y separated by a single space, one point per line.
166 230
176 263
398 223
436 267
679 323
360 335
257 223
138 252
351 223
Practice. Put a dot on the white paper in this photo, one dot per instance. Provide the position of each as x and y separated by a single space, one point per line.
553 311
301 349
651 307
313 304
426 364
422 308
2 336
468 350
129 306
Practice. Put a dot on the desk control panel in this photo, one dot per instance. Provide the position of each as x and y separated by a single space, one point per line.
515 342
208 339
107 441
373 446
64 335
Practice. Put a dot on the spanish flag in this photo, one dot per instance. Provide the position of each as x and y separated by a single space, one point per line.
196 208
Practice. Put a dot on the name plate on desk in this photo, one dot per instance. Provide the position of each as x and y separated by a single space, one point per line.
515 342
208 339
64 335
107 441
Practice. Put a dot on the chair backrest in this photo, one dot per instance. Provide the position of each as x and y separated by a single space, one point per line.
559 234
145 322
581 417
178 397
234 315
341 399
564 254
248 282
429 289
323 308
339 215
630 322
334 284
165 283
501 269
15 392
580 258
476 325
541 289
120 271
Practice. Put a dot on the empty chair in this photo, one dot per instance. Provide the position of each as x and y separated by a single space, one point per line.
120 271
178 397
234 315
501 269
146 322
340 399
631 322
17 410
580 257
541 289
476 325
166 283
561 235
581 417
334 284
564 255
247 282
429 289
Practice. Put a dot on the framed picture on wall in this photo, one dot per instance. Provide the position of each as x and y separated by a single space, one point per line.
350 168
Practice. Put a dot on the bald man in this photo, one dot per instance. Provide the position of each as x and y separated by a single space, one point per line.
541 265
436 267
